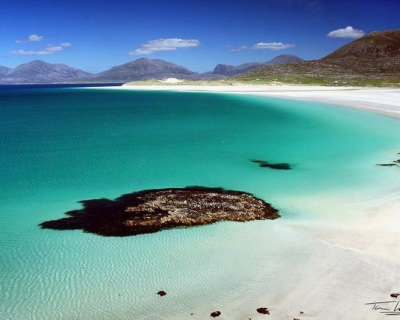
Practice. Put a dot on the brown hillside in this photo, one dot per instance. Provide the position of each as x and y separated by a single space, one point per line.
374 56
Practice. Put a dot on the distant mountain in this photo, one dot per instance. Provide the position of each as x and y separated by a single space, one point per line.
210 76
145 69
284 58
3 71
374 56
39 71
229 70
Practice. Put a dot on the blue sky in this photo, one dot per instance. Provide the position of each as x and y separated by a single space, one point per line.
96 35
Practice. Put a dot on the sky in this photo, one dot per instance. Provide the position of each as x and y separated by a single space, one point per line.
96 35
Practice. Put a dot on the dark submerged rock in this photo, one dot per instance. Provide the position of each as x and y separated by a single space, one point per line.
266 164
161 293
395 163
279 166
215 314
154 210
263 310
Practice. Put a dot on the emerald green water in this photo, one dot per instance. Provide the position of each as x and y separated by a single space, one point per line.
59 146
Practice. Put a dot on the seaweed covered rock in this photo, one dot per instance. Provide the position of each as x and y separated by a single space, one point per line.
154 210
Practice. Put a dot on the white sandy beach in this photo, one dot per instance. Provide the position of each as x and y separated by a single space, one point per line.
352 262
378 100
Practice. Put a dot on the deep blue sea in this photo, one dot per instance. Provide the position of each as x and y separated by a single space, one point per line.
61 145
3 87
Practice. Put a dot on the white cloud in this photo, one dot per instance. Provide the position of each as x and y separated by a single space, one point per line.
54 48
31 38
49 49
239 48
265 45
164 45
35 38
348 32
272 45
30 52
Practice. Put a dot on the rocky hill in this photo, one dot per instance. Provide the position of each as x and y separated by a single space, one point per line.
374 56
374 46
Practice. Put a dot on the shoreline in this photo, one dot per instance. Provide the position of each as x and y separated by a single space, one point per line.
343 264
382 100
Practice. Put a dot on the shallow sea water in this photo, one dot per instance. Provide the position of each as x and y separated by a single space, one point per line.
59 146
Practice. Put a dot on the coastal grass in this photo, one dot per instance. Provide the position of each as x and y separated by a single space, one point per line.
278 80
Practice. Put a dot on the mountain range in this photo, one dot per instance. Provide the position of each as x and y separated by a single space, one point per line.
39 71
373 56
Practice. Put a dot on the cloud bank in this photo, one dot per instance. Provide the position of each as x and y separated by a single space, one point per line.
265 45
164 45
50 49
348 32
31 38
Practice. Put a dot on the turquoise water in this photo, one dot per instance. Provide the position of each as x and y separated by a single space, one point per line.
59 146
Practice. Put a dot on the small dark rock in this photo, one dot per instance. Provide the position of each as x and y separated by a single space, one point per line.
395 294
215 314
266 164
301 312
263 310
278 166
161 293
